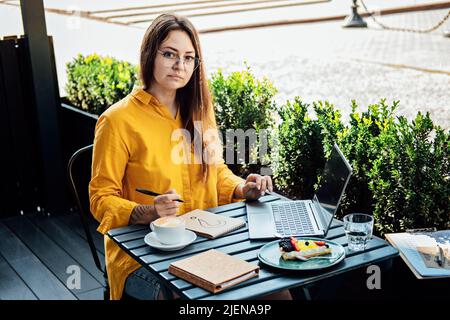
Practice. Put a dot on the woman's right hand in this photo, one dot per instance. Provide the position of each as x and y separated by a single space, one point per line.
165 204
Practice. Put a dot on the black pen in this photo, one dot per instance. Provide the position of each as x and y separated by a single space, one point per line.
151 193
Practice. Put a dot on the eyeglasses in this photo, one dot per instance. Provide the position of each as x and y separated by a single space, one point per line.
171 58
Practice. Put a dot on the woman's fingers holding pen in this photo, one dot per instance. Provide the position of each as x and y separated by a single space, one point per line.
165 204
166 209
170 195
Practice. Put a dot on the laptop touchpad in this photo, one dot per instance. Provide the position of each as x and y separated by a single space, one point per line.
260 220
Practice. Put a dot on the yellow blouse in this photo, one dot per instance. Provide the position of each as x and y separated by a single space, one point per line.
133 149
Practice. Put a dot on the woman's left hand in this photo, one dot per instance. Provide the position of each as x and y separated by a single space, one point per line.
255 186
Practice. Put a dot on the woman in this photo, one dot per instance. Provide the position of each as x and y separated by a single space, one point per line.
133 148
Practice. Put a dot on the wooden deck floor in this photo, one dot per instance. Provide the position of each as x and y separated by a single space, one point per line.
36 252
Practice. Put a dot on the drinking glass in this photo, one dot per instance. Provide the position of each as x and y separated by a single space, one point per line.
358 228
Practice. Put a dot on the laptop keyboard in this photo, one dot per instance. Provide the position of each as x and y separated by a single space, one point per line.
291 218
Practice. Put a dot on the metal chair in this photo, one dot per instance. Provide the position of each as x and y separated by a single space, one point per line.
79 172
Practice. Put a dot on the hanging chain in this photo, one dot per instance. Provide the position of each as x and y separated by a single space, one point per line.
382 25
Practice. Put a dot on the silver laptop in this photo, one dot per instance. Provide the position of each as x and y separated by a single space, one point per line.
303 217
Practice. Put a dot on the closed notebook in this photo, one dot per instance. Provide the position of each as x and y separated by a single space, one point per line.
213 270
210 225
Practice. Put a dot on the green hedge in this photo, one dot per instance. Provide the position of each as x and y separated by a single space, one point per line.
94 83
401 169
410 176
243 102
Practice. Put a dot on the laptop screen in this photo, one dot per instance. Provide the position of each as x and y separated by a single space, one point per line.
332 186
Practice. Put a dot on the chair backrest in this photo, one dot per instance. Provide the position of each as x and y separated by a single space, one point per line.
79 171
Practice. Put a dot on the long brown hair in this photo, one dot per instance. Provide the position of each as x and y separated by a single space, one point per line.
194 99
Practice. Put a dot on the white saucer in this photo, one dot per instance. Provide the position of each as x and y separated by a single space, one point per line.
152 241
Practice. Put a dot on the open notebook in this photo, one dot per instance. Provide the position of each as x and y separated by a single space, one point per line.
210 225
420 250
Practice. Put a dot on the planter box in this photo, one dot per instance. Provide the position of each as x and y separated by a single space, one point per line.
77 129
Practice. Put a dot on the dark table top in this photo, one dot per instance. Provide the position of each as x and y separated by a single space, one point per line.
237 243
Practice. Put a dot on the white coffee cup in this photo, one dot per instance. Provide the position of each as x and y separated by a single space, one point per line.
168 230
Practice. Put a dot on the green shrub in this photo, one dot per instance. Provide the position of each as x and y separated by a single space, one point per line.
243 102
410 177
94 83
302 144
401 173
359 142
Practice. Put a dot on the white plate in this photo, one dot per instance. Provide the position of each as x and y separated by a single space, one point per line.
152 241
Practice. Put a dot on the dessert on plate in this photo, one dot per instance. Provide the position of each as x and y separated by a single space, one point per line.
291 248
